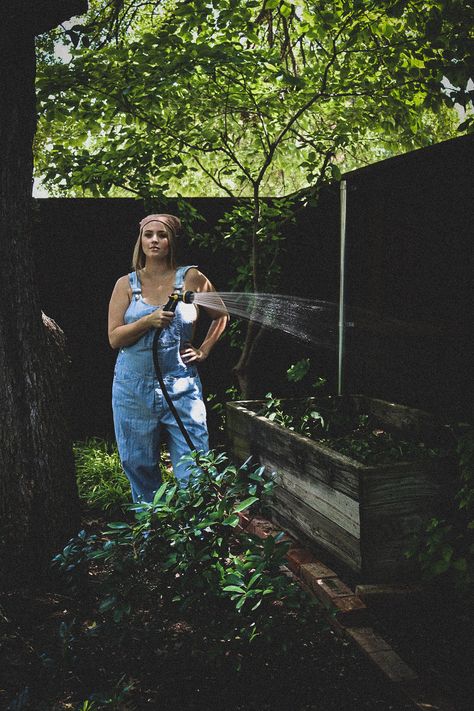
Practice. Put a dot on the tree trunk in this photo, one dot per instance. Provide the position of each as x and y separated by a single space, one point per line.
243 368
39 506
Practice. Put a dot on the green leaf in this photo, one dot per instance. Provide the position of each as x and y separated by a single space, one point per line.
465 125
297 371
441 566
460 564
159 493
336 172
232 520
171 493
233 588
245 504
233 579
447 552
253 579
107 604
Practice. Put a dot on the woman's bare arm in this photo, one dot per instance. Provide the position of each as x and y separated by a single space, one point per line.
121 334
197 282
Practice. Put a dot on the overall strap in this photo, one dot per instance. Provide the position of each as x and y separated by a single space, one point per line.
180 276
135 285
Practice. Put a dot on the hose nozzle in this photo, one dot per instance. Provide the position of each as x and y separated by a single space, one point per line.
187 297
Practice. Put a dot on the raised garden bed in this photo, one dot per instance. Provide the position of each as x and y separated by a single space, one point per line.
363 514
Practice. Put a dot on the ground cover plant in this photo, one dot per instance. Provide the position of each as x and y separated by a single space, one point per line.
337 423
445 551
173 607
101 481
102 484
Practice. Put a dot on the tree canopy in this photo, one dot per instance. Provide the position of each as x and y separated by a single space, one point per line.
247 98
219 97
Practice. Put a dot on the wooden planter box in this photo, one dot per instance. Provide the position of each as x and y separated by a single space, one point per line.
363 515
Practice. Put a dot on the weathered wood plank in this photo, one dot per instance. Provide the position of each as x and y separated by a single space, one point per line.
406 488
334 505
364 515
295 515
398 417
296 451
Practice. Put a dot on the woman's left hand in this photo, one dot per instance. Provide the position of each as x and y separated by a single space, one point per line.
189 354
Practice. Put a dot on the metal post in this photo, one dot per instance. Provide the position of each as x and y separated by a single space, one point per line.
343 195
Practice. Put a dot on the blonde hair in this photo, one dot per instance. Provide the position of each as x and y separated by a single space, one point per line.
139 259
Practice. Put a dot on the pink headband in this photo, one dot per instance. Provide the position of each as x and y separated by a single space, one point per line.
174 223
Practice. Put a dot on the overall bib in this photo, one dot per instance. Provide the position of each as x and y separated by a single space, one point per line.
139 407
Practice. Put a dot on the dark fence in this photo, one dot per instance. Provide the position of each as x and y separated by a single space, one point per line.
410 259
409 289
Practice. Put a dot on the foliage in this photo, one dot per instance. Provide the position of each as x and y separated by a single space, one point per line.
232 232
335 423
301 371
218 405
101 480
184 547
298 371
243 95
246 99
446 550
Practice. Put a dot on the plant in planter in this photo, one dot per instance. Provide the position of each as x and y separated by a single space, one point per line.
445 550
376 474
338 423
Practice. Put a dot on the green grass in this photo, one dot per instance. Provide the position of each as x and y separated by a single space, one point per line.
101 480
102 483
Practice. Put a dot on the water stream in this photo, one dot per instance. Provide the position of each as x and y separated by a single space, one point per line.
311 320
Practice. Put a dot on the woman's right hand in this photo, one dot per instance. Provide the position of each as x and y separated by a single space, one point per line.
159 318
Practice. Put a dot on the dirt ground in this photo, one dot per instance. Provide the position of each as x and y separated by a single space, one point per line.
434 634
54 656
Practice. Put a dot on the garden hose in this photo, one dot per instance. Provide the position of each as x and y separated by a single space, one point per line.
187 297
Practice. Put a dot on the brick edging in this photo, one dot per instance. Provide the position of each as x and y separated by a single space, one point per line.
352 617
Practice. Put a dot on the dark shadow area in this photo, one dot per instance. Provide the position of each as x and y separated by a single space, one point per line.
409 284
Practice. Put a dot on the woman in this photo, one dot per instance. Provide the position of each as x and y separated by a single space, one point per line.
139 406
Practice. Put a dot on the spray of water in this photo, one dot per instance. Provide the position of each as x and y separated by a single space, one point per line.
313 321
310 320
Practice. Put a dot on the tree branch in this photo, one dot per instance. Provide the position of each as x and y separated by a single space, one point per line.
213 177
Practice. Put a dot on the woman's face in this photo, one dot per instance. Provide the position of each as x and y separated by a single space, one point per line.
155 242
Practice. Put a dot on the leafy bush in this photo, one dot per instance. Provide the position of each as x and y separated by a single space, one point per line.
216 405
101 481
446 550
335 423
184 548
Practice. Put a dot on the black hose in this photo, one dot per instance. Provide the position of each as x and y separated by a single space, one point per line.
171 306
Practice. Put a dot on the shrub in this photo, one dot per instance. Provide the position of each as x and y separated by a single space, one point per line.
101 480
184 547
446 549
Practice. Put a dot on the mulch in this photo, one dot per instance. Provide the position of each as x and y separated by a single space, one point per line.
54 657
433 631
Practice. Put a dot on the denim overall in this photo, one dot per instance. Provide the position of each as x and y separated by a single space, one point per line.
139 407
